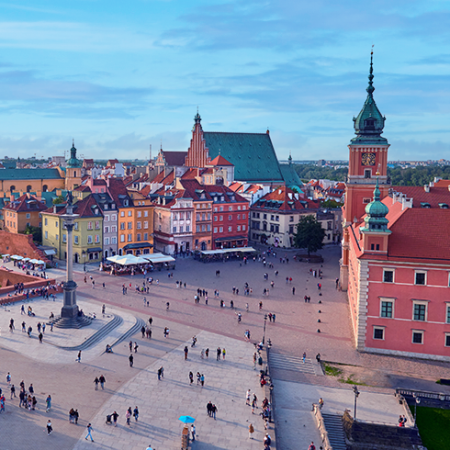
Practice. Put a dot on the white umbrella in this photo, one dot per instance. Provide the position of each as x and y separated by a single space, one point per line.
25 259
127 260
114 258
6 256
140 260
16 257
40 262
33 261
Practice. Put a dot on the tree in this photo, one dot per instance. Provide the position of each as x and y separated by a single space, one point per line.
309 234
58 200
36 232
331 204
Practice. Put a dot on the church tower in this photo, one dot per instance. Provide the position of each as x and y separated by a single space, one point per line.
368 156
73 170
198 154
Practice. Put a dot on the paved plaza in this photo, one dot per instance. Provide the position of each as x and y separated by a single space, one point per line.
54 371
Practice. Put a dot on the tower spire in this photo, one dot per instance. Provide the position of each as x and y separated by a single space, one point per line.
371 88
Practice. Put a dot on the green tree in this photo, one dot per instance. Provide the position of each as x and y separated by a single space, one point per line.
331 204
309 234
58 200
36 232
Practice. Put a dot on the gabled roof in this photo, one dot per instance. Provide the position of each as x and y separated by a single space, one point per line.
145 190
442 183
436 195
160 178
82 188
212 192
84 208
252 155
27 204
118 191
285 199
220 161
192 173
174 158
290 176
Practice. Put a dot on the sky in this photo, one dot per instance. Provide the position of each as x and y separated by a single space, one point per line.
119 76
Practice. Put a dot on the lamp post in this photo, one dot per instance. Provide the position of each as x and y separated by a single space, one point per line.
416 402
356 392
264 334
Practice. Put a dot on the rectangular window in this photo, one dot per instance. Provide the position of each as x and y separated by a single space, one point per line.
122 238
97 238
388 276
420 278
145 225
215 229
208 227
145 236
64 238
56 223
221 218
203 228
238 228
215 218
447 340
106 217
76 239
221 230
89 227
243 216
106 240
197 216
122 213
239 217
139 237
243 227
28 215
417 337
129 213
420 311
174 229
122 225
187 228
139 225
387 309
46 235
139 213
97 225
45 221
198 228
106 229
291 218
230 229
378 333
181 229
230 217
113 240
129 237
447 318
89 239
145 213
130 225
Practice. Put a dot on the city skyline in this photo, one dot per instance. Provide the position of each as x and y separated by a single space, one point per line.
119 78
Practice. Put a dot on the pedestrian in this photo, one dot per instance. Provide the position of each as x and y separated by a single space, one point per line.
202 380
13 391
208 408
312 446
115 416
143 331
191 378
304 357
136 346
251 430
43 327
260 305
273 317
128 416
96 381
136 414
49 426
89 432
48 401
31 389
102 380
247 398
22 310
8 379
186 350
193 432
150 320
40 337
213 411
130 344
131 359
79 357
219 351
207 352
103 309
21 399
293 290
224 352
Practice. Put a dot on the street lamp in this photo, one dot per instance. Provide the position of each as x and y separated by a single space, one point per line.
356 392
264 334
416 402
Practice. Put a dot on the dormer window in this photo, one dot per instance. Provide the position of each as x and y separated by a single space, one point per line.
425 205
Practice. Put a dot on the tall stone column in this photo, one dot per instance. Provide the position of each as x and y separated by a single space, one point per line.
70 307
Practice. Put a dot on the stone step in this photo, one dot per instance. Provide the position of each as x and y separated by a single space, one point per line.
294 363
98 336
335 430
133 330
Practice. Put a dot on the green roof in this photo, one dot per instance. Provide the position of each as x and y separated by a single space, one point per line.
29 174
290 176
252 155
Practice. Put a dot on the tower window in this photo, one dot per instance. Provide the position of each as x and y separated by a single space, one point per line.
367 173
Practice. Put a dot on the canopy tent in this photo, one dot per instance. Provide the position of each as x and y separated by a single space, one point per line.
159 258
40 262
17 257
6 256
114 258
34 261
25 259
222 251
129 260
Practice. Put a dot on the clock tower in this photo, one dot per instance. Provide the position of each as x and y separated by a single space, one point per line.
368 156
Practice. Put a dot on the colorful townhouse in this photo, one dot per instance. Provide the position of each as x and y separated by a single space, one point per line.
395 262
87 232
23 212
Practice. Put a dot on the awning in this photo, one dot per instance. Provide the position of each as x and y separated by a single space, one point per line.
159 258
138 245
95 249
50 252
229 250
231 238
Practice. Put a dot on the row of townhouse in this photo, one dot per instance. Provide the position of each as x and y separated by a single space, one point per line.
109 222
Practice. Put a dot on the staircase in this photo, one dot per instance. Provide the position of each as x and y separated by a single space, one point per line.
335 430
293 363
133 330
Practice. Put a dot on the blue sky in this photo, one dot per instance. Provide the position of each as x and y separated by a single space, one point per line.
118 76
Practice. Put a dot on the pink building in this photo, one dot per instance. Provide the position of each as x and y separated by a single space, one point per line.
396 256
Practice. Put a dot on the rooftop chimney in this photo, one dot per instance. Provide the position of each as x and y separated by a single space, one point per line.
427 188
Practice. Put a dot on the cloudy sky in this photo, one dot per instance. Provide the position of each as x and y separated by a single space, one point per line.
119 75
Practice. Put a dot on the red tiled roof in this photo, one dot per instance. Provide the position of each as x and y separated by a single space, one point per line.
20 244
434 197
288 199
219 160
26 203
174 158
145 190
191 174
192 185
83 188
442 183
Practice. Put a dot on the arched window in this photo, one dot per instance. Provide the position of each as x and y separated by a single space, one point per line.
12 189
44 188
29 188
74 173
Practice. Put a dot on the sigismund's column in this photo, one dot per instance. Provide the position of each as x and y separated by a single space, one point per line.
70 307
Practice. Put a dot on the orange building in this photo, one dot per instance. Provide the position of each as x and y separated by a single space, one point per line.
136 228
23 212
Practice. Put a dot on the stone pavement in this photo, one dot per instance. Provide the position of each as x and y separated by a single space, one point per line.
49 351
294 410
161 403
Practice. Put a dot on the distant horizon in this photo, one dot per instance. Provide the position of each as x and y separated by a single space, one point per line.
119 78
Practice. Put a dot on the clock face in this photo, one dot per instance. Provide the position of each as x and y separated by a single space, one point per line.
368 159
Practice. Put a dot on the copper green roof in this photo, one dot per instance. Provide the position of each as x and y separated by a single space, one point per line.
29 174
376 212
369 123
252 155
73 162
290 176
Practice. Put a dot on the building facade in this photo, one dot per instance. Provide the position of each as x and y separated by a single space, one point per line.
23 212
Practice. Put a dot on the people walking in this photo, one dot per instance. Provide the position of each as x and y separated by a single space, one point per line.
114 417
13 391
79 357
48 402
102 380
136 414
251 430
49 426
131 359
193 432
89 432
128 416
186 350
96 381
